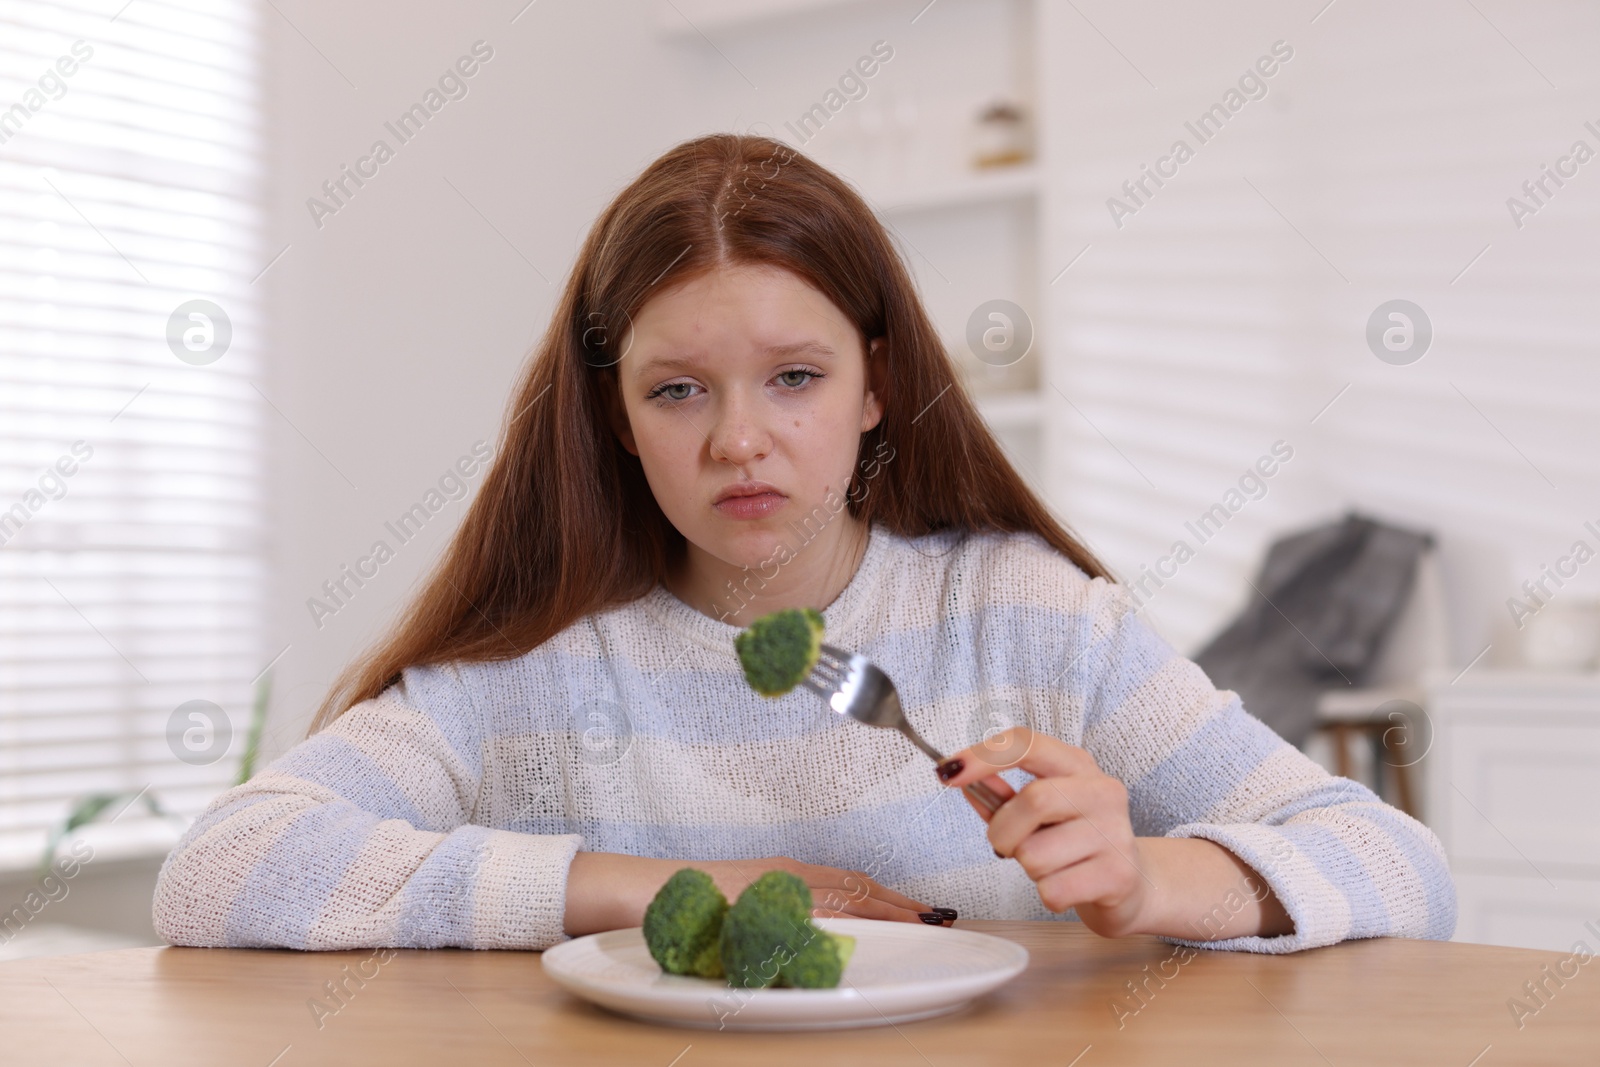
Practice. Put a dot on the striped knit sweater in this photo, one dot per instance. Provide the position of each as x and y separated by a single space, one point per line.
445 811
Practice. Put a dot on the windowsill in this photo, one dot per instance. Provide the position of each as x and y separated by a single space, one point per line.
126 839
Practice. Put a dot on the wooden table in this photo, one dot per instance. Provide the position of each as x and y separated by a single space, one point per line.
1362 1002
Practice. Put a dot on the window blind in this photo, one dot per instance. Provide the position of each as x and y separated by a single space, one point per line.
131 481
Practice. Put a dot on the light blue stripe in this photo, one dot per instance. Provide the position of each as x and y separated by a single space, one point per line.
1201 772
328 760
1439 887
288 888
1136 654
1328 853
449 704
436 906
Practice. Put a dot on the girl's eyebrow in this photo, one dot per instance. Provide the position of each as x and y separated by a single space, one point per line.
800 348
667 363
796 348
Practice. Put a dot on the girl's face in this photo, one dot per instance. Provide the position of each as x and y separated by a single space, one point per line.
745 375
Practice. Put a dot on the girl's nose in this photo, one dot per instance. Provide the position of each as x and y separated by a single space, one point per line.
739 436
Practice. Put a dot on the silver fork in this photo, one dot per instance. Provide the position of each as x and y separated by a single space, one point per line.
854 686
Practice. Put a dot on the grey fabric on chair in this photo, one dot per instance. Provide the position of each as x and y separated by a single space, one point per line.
1315 620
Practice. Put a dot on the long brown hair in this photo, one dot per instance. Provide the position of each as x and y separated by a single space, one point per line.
565 523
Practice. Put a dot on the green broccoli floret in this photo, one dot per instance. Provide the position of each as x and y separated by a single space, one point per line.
683 924
819 963
779 649
768 938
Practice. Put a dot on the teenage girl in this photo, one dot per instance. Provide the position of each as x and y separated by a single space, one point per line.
741 405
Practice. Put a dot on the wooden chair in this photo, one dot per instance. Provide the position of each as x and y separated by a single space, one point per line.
1389 712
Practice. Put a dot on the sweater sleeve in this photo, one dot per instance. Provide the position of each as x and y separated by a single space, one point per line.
362 836
1343 863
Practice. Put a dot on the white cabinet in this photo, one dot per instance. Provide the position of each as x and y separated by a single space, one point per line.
1527 912
1513 787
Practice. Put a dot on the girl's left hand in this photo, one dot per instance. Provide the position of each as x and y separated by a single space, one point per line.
1069 827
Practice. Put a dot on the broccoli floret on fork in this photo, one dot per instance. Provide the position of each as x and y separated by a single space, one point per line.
779 649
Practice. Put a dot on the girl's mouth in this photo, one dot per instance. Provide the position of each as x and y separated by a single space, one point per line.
751 507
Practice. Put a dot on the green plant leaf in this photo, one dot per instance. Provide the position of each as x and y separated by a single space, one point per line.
258 722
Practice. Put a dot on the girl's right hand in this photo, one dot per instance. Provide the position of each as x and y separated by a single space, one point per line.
834 891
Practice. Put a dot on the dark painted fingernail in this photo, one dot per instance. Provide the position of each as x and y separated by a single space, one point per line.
948 913
932 918
949 769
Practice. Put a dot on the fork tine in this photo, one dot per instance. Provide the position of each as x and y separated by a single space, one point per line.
822 689
825 669
835 655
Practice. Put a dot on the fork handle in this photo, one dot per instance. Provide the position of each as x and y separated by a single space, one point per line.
986 797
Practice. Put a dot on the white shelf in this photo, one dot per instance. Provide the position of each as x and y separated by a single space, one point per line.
1018 408
691 18
980 187
1580 689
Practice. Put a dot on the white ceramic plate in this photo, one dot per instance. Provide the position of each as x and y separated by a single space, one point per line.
899 972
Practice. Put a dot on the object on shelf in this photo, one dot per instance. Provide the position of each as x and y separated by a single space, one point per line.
999 186
1564 636
994 355
981 379
1001 137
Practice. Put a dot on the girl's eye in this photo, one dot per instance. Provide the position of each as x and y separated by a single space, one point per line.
806 375
661 390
